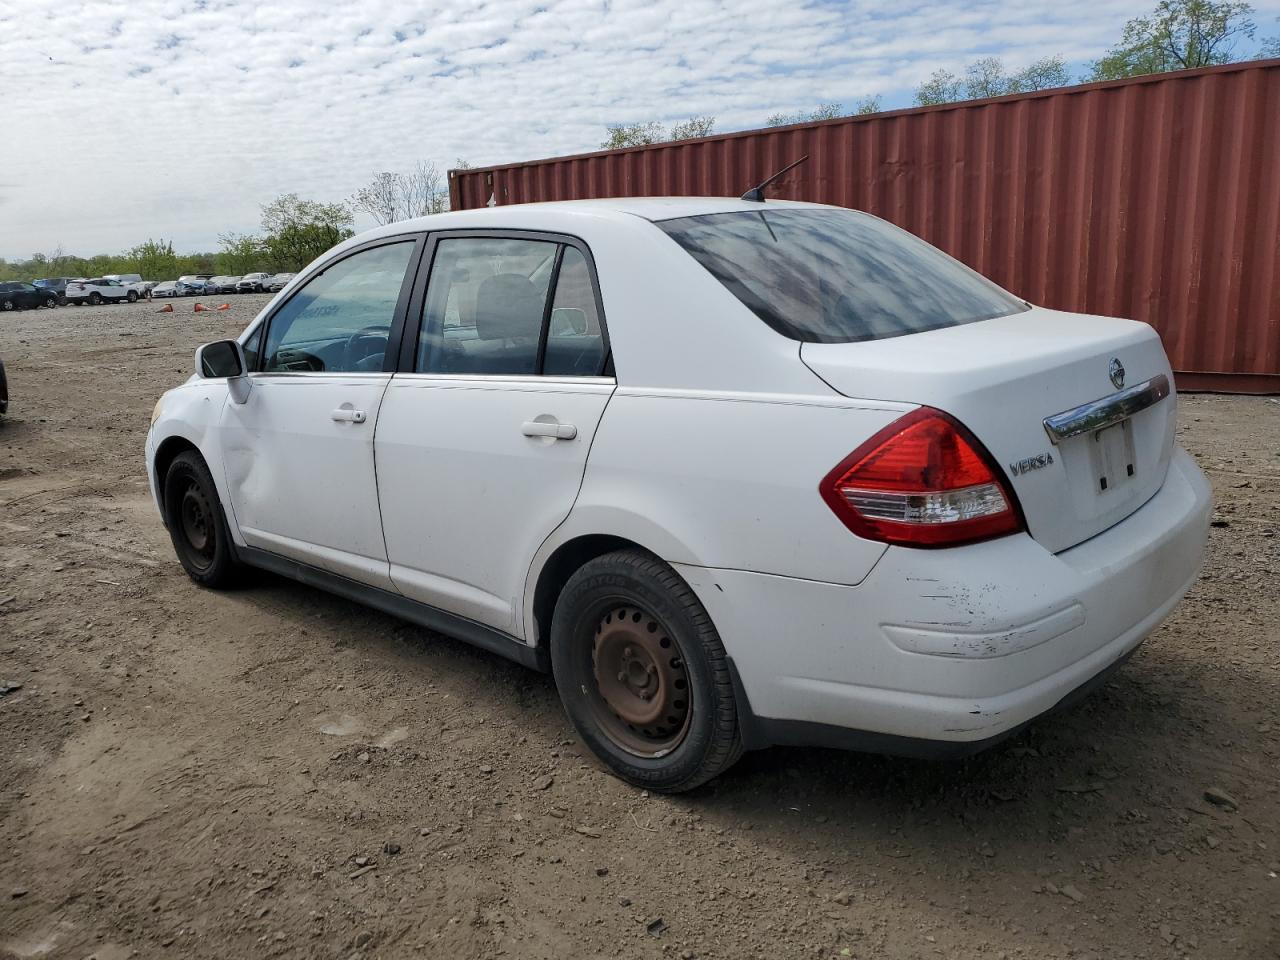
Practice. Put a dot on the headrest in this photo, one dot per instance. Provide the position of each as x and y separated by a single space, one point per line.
508 306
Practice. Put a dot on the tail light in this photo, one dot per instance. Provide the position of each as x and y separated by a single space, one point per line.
922 481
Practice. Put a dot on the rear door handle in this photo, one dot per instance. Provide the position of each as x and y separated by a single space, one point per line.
347 415
556 431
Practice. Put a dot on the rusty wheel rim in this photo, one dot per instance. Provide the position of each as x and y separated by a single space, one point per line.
643 701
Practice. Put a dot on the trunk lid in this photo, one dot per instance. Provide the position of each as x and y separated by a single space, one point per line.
1002 378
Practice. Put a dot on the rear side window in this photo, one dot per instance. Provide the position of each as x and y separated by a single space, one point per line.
837 276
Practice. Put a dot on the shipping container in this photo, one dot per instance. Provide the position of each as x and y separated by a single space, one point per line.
1155 197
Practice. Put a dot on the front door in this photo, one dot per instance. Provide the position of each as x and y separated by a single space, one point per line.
299 450
482 444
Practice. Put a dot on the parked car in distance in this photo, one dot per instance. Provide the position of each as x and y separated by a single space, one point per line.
192 285
221 284
131 281
17 295
57 284
165 288
869 499
251 283
98 290
277 281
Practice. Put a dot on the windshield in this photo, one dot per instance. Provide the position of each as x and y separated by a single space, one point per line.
837 276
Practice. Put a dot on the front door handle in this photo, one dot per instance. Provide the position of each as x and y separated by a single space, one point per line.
556 431
347 414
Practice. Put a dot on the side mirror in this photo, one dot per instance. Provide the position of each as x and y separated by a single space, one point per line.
225 358
222 358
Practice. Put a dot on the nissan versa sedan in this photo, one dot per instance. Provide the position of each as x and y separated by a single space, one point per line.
736 473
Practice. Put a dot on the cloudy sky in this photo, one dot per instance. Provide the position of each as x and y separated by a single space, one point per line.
128 119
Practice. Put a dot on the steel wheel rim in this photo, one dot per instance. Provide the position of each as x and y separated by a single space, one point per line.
196 515
642 699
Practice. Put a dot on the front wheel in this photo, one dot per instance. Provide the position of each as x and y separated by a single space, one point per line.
197 525
6 305
95 298
50 302
132 296
642 673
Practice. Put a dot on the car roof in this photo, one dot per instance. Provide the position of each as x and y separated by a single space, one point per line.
562 214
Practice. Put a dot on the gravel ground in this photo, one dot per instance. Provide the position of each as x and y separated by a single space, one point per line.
275 772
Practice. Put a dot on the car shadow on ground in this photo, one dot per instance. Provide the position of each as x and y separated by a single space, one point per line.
1149 735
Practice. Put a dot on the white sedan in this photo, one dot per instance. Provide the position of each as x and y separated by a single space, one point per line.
737 473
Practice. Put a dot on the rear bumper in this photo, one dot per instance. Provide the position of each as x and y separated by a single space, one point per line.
947 651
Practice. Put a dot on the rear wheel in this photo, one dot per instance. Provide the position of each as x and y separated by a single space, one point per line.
642 673
95 298
132 296
6 305
197 524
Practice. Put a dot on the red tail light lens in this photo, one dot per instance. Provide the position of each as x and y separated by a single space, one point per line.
922 481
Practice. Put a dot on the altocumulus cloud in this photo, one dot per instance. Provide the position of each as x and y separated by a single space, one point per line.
178 119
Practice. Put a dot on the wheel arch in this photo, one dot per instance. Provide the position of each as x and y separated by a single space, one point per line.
166 453
588 534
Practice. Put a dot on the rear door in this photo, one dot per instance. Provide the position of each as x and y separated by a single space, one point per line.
483 438
299 451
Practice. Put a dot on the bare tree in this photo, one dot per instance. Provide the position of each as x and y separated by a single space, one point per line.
421 193
380 198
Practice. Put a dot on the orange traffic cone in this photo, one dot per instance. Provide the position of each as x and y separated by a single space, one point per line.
200 308
225 306
167 308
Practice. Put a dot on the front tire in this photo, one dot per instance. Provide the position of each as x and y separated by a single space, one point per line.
50 302
197 525
132 296
642 673
7 305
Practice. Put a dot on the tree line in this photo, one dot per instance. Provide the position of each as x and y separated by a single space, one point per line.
1177 35
294 231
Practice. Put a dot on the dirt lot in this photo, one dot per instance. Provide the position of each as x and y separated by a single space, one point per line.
274 772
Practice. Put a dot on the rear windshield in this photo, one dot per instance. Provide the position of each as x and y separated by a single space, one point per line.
837 276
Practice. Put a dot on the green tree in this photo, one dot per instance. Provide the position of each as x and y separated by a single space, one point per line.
154 259
296 231
639 134
240 254
824 111
633 135
987 77
693 127
1177 35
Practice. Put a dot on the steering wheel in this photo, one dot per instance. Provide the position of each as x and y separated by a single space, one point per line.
365 335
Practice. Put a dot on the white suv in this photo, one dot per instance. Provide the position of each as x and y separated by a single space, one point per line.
98 290
737 473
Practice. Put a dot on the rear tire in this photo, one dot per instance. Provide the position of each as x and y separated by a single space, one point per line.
197 525
95 298
642 673
132 296
6 305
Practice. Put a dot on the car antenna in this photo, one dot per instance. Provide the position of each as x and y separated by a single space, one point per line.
756 194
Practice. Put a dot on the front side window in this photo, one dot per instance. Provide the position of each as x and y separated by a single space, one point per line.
340 321
485 305
837 276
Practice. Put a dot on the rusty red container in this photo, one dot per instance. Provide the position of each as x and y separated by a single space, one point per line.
1156 198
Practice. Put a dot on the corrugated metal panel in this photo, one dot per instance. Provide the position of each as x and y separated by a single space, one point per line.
1156 198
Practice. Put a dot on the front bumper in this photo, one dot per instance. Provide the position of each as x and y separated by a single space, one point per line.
954 648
